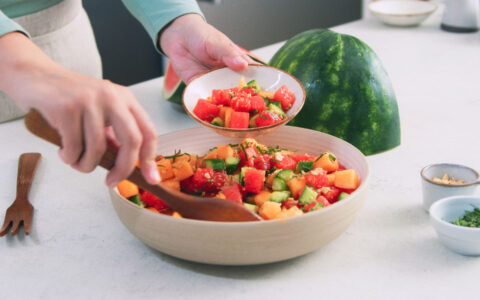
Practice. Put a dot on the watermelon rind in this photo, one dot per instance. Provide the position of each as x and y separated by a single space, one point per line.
348 92
174 96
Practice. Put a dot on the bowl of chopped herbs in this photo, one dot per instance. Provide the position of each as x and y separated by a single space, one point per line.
457 223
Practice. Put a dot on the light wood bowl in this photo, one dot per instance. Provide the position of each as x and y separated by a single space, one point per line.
248 243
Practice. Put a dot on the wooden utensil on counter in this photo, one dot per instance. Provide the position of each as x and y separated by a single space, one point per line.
209 209
21 210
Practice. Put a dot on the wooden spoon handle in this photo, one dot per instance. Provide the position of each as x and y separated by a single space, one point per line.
27 166
189 206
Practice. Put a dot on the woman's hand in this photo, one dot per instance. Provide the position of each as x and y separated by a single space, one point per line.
80 108
194 47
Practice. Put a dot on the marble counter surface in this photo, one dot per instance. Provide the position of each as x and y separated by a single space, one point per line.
78 248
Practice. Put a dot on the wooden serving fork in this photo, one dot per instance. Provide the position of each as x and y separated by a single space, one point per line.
21 210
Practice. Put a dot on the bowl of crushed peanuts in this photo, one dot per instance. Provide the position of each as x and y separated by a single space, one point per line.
445 180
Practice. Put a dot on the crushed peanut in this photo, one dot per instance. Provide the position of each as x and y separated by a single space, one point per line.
447 180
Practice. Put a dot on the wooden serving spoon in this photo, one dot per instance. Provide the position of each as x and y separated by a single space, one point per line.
210 209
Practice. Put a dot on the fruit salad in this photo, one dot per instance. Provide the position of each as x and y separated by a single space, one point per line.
245 106
271 181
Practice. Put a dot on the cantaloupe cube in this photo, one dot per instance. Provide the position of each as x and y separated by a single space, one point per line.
222 112
212 154
266 94
165 169
221 195
127 189
176 215
261 197
182 170
346 179
172 183
291 212
294 211
228 116
327 161
331 178
153 209
296 186
224 151
269 210
242 83
192 159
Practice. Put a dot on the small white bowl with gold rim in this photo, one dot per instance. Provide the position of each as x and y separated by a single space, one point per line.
402 12
434 190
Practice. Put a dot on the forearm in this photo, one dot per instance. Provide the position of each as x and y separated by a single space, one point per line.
20 58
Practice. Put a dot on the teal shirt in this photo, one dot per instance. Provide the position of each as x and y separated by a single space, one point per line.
152 14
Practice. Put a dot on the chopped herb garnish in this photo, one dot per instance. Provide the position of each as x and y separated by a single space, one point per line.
260 150
319 157
244 152
332 157
211 149
469 219
175 155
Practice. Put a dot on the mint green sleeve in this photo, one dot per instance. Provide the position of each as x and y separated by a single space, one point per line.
154 15
7 25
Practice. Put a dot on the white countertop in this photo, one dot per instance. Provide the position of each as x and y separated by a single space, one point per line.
78 249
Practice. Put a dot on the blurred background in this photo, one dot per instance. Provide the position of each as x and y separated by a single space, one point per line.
128 54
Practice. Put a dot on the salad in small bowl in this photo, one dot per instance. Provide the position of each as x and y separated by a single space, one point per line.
246 103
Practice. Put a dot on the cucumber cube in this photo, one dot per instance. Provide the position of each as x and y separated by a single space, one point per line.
215 164
279 196
285 174
251 207
342 196
273 106
279 184
251 122
308 196
231 164
137 200
217 121
253 83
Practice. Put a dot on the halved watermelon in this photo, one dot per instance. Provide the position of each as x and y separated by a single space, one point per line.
173 86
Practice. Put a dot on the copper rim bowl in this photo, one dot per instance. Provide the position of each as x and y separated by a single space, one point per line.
269 78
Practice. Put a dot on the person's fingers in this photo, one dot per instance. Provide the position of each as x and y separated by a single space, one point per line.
148 149
222 50
94 137
130 139
112 140
71 133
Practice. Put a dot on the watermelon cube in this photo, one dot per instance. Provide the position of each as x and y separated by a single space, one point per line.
254 180
239 119
285 96
206 111
232 191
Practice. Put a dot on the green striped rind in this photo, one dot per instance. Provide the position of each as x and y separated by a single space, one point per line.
349 94
176 97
